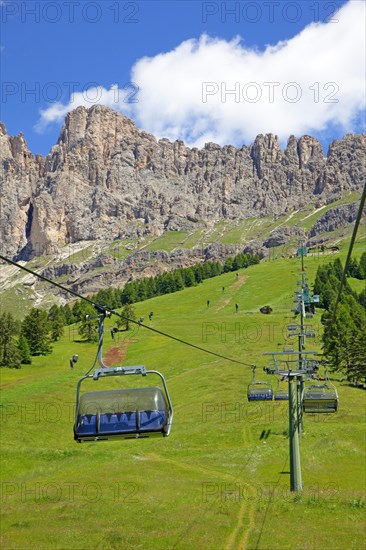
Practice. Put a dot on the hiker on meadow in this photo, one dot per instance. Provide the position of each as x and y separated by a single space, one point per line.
236 308
150 315
208 303
223 289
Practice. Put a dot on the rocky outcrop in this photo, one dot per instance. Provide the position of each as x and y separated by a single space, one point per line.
106 179
346 164
20 173
56 271
335 218
139 264
282 235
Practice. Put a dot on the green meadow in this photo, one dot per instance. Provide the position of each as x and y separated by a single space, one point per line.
214 483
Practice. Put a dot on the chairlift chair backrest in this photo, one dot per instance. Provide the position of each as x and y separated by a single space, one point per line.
320 398
124 413
281 393
260 391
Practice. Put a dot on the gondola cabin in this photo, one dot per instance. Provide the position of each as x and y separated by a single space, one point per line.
123 413
320 398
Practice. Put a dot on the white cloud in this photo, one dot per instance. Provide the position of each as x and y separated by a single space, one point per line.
329 57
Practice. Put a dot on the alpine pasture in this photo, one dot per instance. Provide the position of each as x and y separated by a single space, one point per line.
216 481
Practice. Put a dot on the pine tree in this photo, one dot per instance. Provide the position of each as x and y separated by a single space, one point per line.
53 312
228 265
329 292
320 280
11 356
362 266
57 322
362 298
337 268
353 269
358 357
106 297
77 311
343 340
57 328
36 329
128 313
23 348
178 281
67 314
9 353
236 263
188 277
198 273
129 294
151 290
88 328
141 291
218 269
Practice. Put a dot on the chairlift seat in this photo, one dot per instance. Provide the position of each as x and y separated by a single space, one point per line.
121 414
260 391
281 395
320 399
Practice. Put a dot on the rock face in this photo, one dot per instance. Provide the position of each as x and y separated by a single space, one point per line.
282 235
334 218
106 179
20 173
143 263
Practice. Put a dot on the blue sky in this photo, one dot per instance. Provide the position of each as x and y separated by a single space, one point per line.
184 58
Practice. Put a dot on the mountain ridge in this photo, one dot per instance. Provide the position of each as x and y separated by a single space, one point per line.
106 179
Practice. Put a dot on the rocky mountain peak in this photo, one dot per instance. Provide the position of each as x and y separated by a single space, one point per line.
107 179
93 126
309 150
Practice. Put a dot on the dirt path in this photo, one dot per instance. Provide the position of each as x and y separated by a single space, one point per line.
223 304
241 279
117 354
247 511
234 286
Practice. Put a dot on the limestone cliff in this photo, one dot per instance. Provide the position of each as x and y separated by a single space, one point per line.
106 179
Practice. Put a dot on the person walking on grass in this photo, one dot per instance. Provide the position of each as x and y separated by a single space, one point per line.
236 308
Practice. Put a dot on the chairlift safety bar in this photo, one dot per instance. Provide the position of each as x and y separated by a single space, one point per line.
290 353
118 371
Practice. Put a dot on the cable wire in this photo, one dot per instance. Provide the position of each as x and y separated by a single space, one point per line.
105 310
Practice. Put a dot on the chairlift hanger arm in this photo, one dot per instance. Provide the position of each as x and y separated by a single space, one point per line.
166 393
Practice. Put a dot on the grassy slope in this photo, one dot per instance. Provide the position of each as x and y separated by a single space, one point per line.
213 483
230 233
